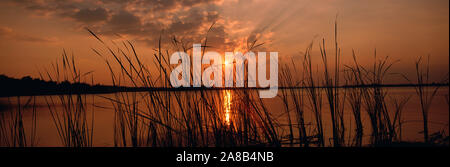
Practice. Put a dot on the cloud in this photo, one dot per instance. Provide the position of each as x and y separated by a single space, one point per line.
91 15
10 34
123 22
80 11
187 21
143 20
161 5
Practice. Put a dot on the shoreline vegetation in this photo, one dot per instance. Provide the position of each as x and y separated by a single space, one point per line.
27 86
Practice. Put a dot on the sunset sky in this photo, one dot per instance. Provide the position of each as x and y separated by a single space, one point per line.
33 33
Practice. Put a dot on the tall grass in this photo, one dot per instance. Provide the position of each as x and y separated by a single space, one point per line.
71 120
295 96
355 102
12 124
331 85
315 96
425 93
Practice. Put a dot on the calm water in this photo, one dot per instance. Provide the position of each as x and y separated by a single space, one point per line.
103 112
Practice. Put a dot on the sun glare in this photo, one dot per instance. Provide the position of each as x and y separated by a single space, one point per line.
227 106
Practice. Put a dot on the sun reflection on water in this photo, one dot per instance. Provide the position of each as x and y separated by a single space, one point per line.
227 106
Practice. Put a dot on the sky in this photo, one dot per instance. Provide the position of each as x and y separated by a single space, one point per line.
33 33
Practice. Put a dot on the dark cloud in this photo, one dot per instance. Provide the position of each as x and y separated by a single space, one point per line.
188 25
49 7
91 15
195 2
161 5
81 11
142 20
123 22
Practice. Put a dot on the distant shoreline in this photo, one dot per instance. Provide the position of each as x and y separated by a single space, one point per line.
10 87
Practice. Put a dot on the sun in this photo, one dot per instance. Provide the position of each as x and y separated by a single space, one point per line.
226 62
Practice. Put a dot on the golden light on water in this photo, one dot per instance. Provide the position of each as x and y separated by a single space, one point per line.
227 106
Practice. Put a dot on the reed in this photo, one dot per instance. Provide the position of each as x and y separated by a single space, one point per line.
426 94
314 96
355 102
71 121
12 124
331 85
398 121
295 96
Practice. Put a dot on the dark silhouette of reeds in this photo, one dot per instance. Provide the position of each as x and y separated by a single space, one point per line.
73 127
425 94
315 96
12 131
